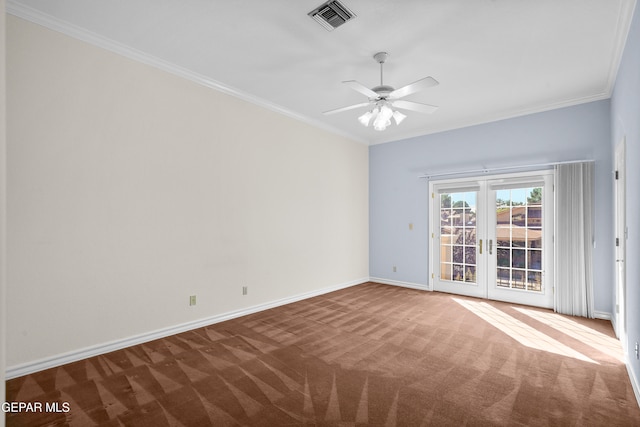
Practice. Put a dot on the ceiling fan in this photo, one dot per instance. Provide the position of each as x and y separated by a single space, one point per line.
385 98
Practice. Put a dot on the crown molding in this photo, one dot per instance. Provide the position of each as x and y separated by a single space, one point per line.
625 17
496 117
35 16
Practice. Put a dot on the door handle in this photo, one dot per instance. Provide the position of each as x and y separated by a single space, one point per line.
480 243
490 246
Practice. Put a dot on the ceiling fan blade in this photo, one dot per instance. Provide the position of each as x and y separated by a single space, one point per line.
414 106
361 88
350 107
413 87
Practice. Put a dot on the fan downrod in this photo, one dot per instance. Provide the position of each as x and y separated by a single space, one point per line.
383 90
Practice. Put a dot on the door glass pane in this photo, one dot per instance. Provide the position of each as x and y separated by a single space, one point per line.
535 260
519 238
445 271
458 254
504 277
458 236
470 236
470 274
517 279
470 255
517 258
534 237
504 257
534 281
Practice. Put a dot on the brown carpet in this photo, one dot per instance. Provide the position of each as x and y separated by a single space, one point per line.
367 355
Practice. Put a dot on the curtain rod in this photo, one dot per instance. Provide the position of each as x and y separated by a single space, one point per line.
504 168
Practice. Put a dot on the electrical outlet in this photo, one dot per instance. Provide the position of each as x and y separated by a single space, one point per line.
192 300
394 269
637 351
245 290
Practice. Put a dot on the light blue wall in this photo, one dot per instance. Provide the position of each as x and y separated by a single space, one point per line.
398 197
625 122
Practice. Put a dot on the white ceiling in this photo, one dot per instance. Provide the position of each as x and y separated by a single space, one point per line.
494 59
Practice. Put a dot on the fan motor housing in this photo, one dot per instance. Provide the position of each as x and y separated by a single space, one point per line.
383 90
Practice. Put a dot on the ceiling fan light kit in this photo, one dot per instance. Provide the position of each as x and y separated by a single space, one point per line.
386 100
381 116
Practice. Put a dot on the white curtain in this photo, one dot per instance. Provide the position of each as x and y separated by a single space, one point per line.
574 239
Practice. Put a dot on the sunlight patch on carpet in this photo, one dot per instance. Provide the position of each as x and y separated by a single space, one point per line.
521 332
599 341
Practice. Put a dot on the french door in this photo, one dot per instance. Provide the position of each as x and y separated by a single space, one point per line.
492 237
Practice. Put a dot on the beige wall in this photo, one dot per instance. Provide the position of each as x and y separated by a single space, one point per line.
130 189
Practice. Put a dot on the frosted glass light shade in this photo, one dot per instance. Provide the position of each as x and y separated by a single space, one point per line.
398 117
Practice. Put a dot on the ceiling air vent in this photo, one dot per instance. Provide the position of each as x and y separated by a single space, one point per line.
332 14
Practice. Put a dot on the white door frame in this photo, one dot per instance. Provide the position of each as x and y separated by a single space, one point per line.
620 222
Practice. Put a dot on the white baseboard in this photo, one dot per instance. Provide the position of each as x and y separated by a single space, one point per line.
603 315
83 353
614 324
635 382
398 283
